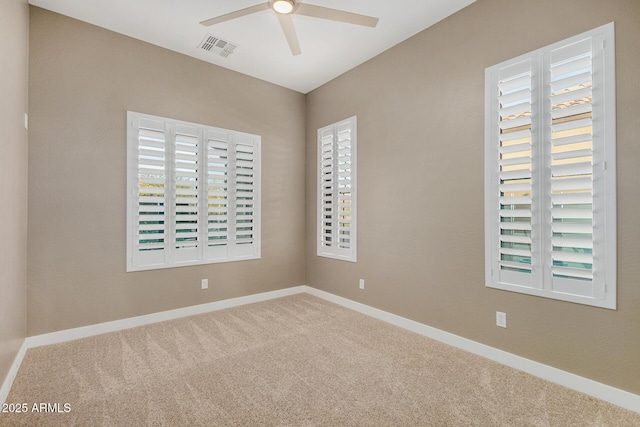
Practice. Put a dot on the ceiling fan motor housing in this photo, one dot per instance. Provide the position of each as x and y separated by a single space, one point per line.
284 7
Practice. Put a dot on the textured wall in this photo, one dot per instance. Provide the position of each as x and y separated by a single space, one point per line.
14 57
420 110
82 80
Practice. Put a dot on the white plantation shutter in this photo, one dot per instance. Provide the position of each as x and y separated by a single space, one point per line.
572 186
194 194
514 169
150 183
245 198
344 174
185 197
550 171
337 190
326 192
217 194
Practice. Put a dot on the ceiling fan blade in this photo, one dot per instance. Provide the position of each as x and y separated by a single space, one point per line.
336 15
237 14
290 33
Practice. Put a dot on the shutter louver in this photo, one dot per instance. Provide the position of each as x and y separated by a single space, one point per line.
327 207
515 178
217 192
245 195
186 204
571 167
151 191
344 187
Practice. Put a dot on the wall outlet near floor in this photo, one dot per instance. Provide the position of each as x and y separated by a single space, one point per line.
501 319
361 283
205 283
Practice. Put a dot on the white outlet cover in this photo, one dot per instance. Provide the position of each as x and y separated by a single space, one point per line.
501 319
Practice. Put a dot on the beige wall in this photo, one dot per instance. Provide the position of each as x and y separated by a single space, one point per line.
420 110
14 56
82 81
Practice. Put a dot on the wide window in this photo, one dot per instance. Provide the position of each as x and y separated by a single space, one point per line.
337 190
193 194
550 192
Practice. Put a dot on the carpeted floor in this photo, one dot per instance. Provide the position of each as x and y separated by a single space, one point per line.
295 361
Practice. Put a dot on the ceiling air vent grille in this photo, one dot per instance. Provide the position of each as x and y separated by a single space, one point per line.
215 44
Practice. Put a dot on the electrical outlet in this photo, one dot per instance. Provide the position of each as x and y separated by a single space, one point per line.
501 319
205 283
361 283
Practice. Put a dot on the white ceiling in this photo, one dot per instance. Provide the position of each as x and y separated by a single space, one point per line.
328 48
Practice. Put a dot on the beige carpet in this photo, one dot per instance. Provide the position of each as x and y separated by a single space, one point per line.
295 361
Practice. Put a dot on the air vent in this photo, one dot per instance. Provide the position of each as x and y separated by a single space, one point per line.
215 44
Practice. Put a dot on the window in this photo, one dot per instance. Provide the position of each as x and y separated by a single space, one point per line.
193 194
337 190
550 191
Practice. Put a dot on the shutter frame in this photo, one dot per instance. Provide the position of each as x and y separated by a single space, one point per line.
189 164
337 190
566 178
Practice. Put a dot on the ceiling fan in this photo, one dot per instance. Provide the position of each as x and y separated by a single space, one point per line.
285 8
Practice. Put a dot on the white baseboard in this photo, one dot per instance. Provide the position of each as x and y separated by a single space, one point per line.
575 382
132 322
584 385
13 371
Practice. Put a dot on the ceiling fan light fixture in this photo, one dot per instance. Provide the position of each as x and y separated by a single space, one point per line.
283 6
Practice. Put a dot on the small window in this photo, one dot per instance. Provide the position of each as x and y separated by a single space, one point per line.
193 194
550 170
337 190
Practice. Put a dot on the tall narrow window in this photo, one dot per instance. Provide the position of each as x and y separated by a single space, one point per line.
193 194
337 190
550 198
